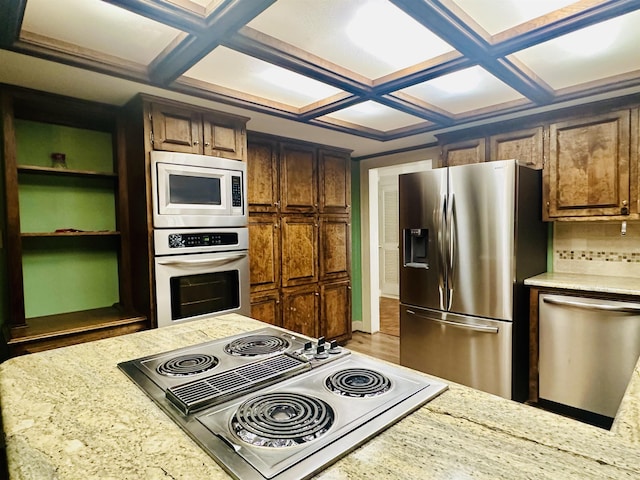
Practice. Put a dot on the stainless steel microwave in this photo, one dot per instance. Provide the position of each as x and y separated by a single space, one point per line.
197 191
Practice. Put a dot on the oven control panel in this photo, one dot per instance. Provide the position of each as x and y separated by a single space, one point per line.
187 240
236 191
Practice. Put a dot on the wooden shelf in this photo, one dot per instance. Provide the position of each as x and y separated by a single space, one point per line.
65 172
100 233
41 332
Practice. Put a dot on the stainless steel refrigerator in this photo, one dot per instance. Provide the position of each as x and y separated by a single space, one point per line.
470 235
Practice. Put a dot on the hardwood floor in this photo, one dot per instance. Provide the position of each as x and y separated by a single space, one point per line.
378 345
390 316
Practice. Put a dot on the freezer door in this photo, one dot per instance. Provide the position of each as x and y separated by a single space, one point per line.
422 204
471 351
480 239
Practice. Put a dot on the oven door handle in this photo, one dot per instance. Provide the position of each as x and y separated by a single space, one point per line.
206 261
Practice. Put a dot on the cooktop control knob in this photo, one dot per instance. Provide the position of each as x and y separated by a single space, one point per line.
321 354
334 348
321 341
308 346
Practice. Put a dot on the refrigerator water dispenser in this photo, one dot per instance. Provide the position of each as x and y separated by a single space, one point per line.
416 243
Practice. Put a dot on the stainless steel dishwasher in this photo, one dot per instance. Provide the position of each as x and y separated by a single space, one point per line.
588 350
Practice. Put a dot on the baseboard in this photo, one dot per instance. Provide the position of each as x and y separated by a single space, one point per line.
358 326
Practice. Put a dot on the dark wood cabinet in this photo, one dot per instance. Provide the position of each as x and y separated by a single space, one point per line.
335 310
464 152
301 309
266 307
262 176
264 252
67 252
525 145
334 182
588 173
335 247
187 129
300 231
298 178
299 250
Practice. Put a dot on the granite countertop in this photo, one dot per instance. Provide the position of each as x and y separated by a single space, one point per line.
71 413
586 283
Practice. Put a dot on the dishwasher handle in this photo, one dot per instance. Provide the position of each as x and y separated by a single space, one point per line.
592 306
466 326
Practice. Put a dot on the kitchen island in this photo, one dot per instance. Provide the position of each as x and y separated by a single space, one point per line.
71 413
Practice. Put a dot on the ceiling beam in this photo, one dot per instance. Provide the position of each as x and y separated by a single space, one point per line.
11 13
266 48
221 24
474 45
165 13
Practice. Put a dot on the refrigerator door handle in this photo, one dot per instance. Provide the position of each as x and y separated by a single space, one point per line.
442 225
466 326
450 248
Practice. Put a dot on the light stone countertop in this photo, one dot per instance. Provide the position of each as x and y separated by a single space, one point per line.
71 413
587 283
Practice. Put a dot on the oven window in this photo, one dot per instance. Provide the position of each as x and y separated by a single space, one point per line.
193 295
189 190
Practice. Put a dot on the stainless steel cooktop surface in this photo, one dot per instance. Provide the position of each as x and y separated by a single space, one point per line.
271 404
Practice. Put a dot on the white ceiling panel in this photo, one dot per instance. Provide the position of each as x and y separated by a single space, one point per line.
464 91
495 16
252 76
370 37
99 26
593 53
375 115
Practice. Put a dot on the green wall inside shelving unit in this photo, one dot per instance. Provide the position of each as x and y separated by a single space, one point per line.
65 274
356 245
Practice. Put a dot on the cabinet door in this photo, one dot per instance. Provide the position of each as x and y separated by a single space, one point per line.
298 179
300 312
176 129
335 247
262 176
223 137
335 310
524 145
588 170
334 181
463 153
299 250
266 307
264 252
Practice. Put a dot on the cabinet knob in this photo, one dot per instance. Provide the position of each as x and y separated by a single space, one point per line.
206 144
196 143
625 208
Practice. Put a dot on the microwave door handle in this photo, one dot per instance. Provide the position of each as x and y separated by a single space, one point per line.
466 326
208 261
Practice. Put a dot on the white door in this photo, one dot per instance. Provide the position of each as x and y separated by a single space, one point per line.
388 236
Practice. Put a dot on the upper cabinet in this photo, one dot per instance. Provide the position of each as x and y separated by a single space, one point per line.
298 178
588 171
334 180
262 176
187 129
526 145
464 152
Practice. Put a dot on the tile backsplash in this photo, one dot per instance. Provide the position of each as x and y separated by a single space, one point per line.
597 248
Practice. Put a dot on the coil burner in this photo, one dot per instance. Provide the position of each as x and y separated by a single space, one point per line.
254 345
186 365
358 382
279 420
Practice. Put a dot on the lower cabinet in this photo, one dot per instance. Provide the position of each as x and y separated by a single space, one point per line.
300 309
266 307
335 310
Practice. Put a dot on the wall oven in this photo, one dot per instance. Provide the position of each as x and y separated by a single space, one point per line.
197 191
201 272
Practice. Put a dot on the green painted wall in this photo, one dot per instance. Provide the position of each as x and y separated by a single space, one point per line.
356 245
64 274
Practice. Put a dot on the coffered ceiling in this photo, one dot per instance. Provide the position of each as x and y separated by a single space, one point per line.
381 70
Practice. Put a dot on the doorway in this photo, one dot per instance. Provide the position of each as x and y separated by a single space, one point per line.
383 248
